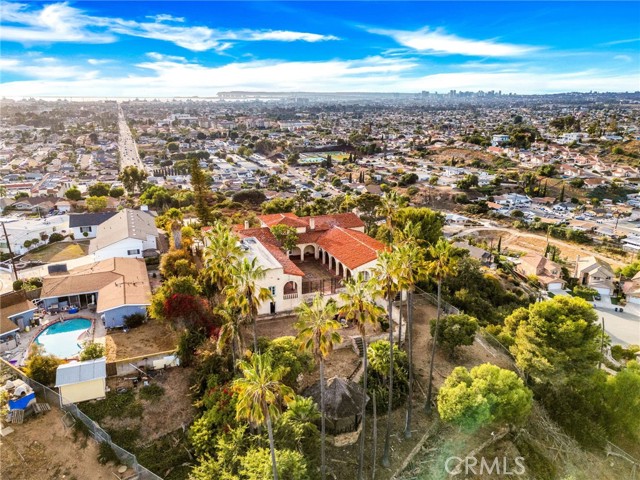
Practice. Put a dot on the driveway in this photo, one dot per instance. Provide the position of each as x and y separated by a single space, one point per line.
623 328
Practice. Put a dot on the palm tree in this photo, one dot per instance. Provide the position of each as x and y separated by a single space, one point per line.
230 333
222 252
441 265
386 272
411 269
317 334
389 204
359 305
174 225
260 395
245 274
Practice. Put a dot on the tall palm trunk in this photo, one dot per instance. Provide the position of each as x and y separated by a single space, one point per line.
400 319
271 444
323 466
407 426
253 322
433 350
364 405
387 437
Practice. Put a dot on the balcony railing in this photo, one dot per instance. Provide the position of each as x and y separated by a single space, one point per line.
289 296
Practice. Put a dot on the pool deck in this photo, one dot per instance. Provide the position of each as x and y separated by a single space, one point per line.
20 353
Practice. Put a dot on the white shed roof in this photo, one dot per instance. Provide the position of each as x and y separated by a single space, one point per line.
78 372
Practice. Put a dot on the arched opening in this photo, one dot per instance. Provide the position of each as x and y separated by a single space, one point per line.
309 251
295 254
290 287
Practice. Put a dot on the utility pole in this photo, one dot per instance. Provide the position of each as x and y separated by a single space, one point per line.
13 262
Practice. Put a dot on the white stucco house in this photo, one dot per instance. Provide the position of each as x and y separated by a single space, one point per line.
85 225
129 233
330 248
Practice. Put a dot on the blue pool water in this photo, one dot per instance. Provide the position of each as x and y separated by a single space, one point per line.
61 339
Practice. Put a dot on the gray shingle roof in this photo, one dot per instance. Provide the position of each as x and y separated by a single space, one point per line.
77 372
88 219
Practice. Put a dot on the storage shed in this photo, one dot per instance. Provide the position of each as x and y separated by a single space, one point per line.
82 381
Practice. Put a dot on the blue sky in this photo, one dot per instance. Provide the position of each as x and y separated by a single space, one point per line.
168 49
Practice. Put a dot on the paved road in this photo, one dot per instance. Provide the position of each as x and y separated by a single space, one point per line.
126 144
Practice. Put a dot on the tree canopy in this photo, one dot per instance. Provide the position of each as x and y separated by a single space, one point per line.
554 337
486 394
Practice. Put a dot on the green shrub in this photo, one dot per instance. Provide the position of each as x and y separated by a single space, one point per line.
378 372
92 351
151 392
585 292
40 366
134 320
256 465
56 237
17 285
107 454
114 405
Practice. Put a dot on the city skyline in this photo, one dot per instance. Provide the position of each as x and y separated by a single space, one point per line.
171 49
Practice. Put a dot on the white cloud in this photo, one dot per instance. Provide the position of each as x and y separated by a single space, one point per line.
59 22
623 58
166 18
620 42
45 68
166 76
98 61
56 22
287 36
439 42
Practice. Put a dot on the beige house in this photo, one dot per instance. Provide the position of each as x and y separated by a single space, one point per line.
549 273
82 381
631 289
595 273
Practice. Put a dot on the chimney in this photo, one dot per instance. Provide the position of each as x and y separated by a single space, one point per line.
246 224
312 223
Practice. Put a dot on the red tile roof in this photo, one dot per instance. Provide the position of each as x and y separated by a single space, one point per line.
334 233
351 247
322 222
266 238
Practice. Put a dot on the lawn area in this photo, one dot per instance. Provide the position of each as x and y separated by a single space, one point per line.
151 337
58 252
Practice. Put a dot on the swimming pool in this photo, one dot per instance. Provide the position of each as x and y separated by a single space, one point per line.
61 339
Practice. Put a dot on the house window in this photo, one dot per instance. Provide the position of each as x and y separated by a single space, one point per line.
85 229
273 291
133 252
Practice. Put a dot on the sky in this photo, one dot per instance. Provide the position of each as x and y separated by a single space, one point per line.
187 49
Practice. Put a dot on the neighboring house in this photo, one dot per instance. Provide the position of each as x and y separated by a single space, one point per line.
63 206
631 289
129 233
82 381
595 273
87 223
499 140
330 248
117 287
35 204
16 312
548 273
474 252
